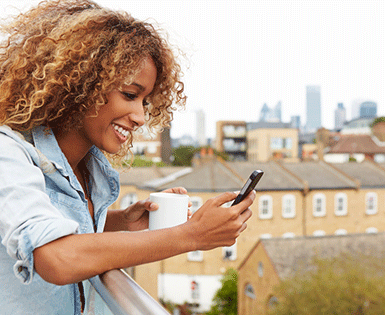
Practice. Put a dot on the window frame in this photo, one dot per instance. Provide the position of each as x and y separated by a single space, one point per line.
292 213
191 256
344 211
319 233
322 197
374 210
269 214
233 249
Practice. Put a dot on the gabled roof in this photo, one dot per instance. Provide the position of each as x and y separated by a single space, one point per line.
320 175
289 255
211 176
356 144
274 177
216 176
138 175
369 174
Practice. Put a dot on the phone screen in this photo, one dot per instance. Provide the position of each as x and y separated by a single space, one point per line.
249 186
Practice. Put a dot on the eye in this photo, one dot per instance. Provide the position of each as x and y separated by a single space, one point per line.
133 96
130 96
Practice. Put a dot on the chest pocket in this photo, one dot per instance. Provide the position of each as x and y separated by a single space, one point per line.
72 208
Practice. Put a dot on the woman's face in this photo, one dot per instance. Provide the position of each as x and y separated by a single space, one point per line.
123 112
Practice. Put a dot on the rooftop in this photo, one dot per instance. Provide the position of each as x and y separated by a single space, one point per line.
289 255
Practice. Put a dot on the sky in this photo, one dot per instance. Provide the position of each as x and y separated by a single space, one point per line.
240 54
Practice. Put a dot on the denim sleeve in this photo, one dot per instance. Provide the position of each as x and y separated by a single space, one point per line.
27 218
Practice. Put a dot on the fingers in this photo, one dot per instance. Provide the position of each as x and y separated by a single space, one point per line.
225 197
151 206
244 204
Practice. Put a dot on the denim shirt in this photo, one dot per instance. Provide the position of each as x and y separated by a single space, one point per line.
41 200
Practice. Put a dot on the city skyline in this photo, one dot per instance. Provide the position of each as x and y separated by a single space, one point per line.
242 54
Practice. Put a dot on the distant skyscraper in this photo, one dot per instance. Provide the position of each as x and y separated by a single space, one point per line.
313 108
277 112
368 110
295 122
271 114
339 116
201 129
265 113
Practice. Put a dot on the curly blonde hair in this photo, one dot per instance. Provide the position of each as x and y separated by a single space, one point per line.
63 57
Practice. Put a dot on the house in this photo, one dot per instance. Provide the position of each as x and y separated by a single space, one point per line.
271 140
359 140
276 259
297 199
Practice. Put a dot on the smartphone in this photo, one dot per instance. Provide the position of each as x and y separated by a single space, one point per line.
249 186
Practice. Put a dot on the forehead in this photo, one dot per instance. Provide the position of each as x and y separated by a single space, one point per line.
145 77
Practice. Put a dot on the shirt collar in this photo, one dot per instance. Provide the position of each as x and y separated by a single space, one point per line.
45 142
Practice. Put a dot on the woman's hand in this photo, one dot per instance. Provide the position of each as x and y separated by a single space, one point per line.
136 215
213 225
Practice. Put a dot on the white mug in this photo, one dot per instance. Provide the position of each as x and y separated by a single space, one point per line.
172 211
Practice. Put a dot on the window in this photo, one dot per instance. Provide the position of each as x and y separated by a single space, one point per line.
340 204
196 202
194 290
340 232
288 235
319 205
288 143
371 203
249 291
371 230
127 200
195 255
260 269
276 143
273 302
319 233
288 206
230 252
265 207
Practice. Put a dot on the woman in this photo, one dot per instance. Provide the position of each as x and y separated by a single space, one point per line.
76 80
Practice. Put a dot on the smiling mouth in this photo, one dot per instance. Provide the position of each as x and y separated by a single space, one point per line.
121 131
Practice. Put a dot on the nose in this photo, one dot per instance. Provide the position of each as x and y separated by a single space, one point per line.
137 114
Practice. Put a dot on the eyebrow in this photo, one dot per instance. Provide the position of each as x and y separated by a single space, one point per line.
141 87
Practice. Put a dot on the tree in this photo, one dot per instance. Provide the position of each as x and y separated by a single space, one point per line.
343 285
225 301
183 155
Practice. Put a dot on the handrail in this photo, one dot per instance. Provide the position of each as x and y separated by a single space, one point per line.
124 296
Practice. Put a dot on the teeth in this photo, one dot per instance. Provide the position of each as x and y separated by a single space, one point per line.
122 131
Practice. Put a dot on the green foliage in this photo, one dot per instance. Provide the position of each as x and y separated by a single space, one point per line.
377 120
142 162
343 285
226 298
183 155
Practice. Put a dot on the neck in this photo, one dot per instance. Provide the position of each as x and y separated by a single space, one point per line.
73 146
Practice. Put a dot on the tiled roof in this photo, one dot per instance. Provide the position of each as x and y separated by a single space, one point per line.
356 144
274 177
210 176
289 255
139 175
367 173
320 175
215 176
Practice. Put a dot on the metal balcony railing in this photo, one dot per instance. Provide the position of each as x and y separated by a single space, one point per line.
122 295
